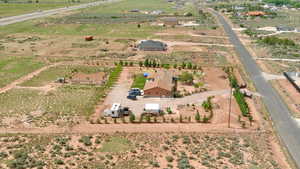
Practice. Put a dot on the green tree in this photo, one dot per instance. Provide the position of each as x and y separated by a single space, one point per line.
141 64
148 118
132 118
187 78
121 63
146 63
190 65
183 65
197 117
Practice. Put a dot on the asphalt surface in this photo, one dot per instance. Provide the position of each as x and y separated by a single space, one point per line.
284 123
34 15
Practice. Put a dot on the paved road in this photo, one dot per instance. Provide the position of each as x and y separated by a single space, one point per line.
284 123
34 15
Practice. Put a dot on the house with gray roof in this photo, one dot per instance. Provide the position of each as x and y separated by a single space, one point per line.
294 78
151 45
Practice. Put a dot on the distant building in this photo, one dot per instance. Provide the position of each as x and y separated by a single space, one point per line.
134 10
151 45
285 29
156 12
239 8
170 21
294 78
256 13
93 78
159 84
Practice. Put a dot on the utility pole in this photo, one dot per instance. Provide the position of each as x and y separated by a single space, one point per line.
229 113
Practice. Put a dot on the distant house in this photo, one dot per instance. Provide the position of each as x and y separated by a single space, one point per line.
134 10
239 8
151 45
170 21
285 29
93 78
159 84
294 78
156 12
256 13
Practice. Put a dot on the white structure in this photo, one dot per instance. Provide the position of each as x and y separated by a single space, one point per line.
114 111
152 108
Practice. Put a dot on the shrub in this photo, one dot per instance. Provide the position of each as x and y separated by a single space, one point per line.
58 161
169 159
155 164
273 40
205 119
148 118
86 140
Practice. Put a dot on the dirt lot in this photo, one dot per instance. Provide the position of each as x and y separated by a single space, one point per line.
136 151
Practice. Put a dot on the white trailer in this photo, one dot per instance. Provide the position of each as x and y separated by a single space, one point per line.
152 108
115 111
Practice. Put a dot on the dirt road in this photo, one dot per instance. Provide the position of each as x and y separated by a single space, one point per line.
87 128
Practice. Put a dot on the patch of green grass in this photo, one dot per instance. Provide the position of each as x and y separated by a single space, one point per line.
13 68
115 145
113 76
126 5
139 81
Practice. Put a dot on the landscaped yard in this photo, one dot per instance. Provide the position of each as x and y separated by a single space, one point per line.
139 81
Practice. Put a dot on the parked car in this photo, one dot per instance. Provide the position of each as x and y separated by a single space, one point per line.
136 91
132 97
126 111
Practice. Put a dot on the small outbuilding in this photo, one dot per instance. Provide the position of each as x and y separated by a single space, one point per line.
285 29
151 45
170 21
